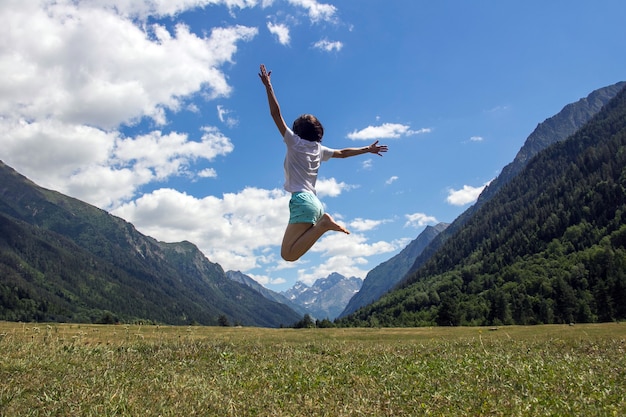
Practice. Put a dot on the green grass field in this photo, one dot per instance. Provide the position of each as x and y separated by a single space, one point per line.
91 370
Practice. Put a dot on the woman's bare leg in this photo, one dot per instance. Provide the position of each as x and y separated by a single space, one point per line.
300 237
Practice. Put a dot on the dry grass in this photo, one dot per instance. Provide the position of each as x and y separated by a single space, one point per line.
90 370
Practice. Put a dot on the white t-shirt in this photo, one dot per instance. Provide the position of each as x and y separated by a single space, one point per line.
302 162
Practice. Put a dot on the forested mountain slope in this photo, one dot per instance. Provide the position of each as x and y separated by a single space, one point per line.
385 276
549 247
65 260
553 130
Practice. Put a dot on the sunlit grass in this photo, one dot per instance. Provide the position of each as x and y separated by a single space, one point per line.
90 370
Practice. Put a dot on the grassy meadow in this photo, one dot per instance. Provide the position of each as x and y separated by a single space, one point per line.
132 370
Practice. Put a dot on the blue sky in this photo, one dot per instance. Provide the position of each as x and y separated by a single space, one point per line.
154 110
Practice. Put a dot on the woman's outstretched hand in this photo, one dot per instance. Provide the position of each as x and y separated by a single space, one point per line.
265 76
377 149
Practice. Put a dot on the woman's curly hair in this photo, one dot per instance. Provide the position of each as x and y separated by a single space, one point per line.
309 128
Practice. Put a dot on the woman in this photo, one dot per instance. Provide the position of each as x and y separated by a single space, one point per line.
305 153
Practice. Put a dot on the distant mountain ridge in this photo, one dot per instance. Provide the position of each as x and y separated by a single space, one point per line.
64 260
244 279
327 297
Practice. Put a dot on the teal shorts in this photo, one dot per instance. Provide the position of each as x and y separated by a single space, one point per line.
305 207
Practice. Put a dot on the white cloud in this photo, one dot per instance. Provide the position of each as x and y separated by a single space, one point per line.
385 131
498 109
280 31
352 245
266 280
167 155
465 195
476 139
69 158
317 11
330 187
328 46
223 114
207 173
144 9
92 66
363 225
229 230
391 180
242 231
419 220
347 255
99 167
91 69
48 144
344 265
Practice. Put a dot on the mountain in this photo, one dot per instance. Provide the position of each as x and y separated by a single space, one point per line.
244 279
386 275
327 297
64 260
553 130
548 247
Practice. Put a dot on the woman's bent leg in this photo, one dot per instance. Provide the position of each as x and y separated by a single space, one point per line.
300 237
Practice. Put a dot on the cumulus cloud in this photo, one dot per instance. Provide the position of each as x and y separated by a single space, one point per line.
330 187
419 220
317 11
91 66
266 280
385 131
101 167
347 255
465 195
240 231
328 46
166 155
353 245
344 265
280 31
229 229
207 173
90 70
143 9
362 225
